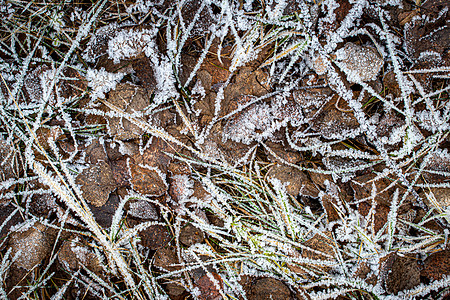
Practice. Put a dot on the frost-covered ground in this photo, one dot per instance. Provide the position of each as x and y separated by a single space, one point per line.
224 149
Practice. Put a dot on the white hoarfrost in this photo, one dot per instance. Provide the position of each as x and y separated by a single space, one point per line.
396 124
101 82
131 43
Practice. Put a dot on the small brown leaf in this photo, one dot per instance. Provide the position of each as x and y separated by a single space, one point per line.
269 288
399 273
190 235
97 182
147 180
130 99
166 259
437 265
208 290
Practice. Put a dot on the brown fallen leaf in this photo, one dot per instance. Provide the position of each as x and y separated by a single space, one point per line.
329 202
104 214
147 180
190 235
96 183
131 99
208 290
74 254
35 244
120 172
335 122
47 134
154 156
269 288
283 152
166 259
95 152
299 183
437 265
155 237
399 273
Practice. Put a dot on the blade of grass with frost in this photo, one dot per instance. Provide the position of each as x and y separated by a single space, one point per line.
58 235
90 222
186 33
242 47
151 287
317 170
7 219
420 228
434 118
205 226
117 219
278 33
251 210
421 244
405 86
41 282
424 289
200 60
185 119
214 281
371 132
107 286
133 232
372 245
284 53
277 237
4 267
62 290
279 209
96 290
303 46
233 282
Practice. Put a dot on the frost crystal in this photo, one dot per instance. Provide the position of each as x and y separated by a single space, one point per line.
165 81
102 82
259 121
131 43
243 129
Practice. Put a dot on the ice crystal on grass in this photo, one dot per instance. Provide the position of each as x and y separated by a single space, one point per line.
165 81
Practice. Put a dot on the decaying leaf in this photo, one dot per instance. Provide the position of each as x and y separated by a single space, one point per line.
97 182
131 100
360 63
147 180
34 244
399 272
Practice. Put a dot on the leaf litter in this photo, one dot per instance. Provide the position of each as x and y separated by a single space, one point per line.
224 149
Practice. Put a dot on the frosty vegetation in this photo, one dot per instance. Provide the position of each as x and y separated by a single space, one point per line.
164 149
